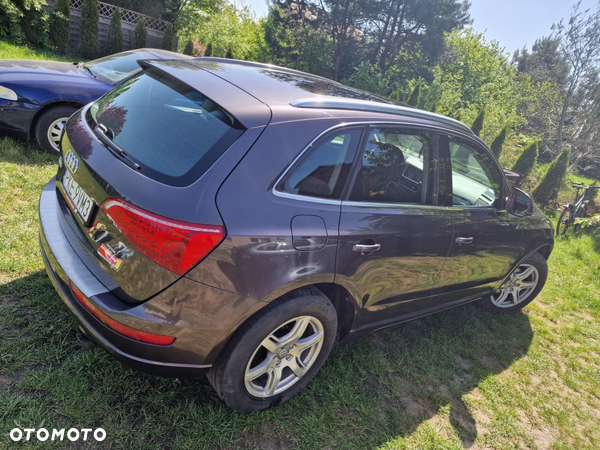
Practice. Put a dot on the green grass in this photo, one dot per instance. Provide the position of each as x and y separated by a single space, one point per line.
459 378
11 51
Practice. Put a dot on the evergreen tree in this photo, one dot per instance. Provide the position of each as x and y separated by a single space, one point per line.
168 38
498 142
548 189
59 25
189 48
89 29
229 53
415 96
114 41
209 50
478 123
140 34
526 161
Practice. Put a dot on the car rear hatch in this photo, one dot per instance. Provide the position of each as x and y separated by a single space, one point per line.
140 171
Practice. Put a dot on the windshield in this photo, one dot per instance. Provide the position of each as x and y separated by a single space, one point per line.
172 131
115 68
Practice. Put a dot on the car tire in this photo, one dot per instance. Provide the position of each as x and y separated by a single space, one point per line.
48 128
520 288
278 326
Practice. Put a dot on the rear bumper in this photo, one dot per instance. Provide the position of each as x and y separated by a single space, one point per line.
64 264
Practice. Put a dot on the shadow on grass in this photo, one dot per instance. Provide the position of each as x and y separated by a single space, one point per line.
378 389
21 152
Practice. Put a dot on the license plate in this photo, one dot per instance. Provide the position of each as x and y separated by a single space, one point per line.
79 200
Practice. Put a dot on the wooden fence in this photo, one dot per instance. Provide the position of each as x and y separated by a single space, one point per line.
155 27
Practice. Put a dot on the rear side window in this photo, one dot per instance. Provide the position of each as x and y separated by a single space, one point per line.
172 131
323 173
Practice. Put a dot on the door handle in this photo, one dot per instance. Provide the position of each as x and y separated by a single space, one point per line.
366 248
464 240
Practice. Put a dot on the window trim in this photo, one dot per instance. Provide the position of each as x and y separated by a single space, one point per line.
306 152
434 158
444 153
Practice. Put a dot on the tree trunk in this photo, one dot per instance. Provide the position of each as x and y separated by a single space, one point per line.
561 125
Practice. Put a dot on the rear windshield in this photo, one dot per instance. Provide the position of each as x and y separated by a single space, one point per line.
172 131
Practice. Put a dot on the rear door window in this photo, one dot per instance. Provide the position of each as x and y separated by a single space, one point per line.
324 171
172 131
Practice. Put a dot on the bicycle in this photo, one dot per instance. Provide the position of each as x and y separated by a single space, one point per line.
574 210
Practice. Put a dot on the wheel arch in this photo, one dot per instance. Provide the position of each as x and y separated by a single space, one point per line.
545 250
339 296
48 106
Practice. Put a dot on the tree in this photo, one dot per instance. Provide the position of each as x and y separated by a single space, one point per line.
229 53
168 38
189 48
415 95
526 162
59 25
474 74
478 123
402 29
400 36
89 29
579 42
140 34
226 27
498 142
114 41
550 185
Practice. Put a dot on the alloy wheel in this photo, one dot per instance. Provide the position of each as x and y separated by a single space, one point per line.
518 287
284 357
54 132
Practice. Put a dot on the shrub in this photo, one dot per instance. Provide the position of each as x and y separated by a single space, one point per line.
168 38
209 50
478 123
140 34
59 26
114 41
590 223
89 29
189 48
433 107
498 142
548 189
415 96
229 54
395 95
526 161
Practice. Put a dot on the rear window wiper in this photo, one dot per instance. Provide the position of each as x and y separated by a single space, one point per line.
102 131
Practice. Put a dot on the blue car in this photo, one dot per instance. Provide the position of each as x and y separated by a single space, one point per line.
37 97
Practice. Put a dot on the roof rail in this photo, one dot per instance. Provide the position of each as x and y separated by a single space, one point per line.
261 65
365 105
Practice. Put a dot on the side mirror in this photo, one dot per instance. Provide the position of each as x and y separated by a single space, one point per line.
519 203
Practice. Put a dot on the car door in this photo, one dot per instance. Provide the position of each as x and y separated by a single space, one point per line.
487 239
393 237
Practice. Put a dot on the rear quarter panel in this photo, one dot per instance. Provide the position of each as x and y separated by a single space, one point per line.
257 258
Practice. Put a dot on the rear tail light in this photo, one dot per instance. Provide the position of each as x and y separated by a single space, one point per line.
177 246
118 327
